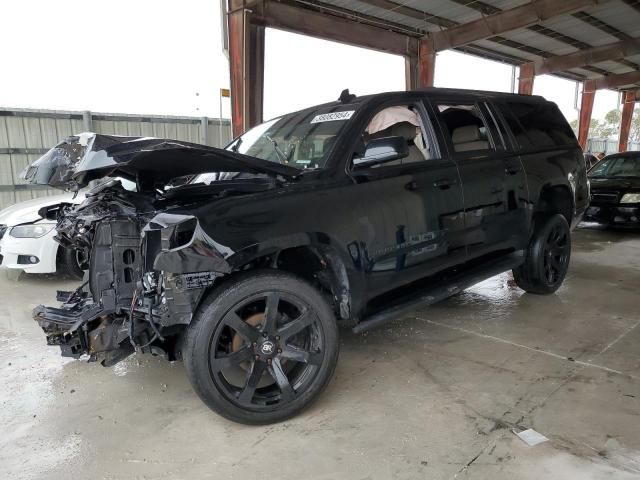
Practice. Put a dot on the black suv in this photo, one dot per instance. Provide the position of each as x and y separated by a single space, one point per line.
244 261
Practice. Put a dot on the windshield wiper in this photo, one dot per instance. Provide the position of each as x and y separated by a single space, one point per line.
237 145
276 148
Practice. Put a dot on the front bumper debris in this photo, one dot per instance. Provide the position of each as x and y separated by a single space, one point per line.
67 327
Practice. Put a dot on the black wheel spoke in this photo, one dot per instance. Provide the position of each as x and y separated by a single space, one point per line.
235 358
297 325
282 380
243 328
555 263
253 378
547 271
299 355
271 312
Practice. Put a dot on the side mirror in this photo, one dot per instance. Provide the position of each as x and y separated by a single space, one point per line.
381 150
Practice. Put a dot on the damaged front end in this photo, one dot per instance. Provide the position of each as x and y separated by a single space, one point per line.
148 260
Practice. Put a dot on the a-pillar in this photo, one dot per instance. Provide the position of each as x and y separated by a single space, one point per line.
628 104
246 65
527 77
586 108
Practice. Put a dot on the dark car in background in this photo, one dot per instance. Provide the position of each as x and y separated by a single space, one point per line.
349 214
615 190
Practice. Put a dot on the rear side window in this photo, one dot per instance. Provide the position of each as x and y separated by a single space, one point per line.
521 138
539 124
466 126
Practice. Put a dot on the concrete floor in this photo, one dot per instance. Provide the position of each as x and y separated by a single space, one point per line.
434 396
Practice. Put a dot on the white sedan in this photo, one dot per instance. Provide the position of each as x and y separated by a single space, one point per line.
26 239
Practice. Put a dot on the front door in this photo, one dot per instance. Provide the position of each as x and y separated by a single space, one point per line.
411 209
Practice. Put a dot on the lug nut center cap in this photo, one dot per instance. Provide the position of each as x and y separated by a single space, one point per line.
267 347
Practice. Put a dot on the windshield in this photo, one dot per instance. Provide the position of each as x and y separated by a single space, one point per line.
617 167
302 140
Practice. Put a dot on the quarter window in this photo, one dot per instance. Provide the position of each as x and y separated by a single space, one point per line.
542 125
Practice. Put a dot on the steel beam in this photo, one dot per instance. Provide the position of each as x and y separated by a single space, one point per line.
505 21
334 28
628 104
586 109
617 81
612 51
527 77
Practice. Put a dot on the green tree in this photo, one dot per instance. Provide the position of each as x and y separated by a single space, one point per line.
609 127
634 133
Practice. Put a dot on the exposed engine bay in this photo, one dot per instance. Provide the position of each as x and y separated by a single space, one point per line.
148 259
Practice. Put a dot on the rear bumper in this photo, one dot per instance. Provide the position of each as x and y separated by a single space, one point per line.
614 214
44 249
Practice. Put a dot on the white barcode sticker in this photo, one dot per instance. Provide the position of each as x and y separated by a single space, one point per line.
333 116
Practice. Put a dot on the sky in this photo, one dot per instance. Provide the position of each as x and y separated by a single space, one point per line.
162 57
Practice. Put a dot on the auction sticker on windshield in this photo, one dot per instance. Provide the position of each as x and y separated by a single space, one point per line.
333 116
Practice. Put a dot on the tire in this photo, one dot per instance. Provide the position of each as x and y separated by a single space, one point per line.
68 264
254 367
547 257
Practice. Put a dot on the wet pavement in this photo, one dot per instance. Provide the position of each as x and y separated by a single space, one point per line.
433 396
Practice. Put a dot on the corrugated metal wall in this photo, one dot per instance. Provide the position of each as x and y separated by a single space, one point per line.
597 145
27 134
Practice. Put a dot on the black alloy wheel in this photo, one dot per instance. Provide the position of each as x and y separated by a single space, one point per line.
261 348
547 257
556 253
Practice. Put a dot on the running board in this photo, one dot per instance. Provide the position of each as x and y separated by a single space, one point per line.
463 281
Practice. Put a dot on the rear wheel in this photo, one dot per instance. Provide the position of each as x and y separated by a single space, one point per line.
261 348
547 258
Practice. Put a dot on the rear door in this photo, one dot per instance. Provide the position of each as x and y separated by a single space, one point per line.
517 216
477 148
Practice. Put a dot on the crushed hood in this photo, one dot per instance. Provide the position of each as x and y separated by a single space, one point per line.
77 160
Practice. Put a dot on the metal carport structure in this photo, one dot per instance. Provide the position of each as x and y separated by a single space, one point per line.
596 42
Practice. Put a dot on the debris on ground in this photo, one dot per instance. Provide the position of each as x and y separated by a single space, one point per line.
531 437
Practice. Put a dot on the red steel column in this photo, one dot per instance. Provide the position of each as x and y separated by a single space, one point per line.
237 54
586 108
246 66
411 72
426 64
628 105
527 76
255 82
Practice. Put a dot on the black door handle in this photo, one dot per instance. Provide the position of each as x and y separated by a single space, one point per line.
497 190
443 183
411 186
512 171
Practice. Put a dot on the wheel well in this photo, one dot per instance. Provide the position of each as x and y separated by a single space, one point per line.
321 268
556 200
